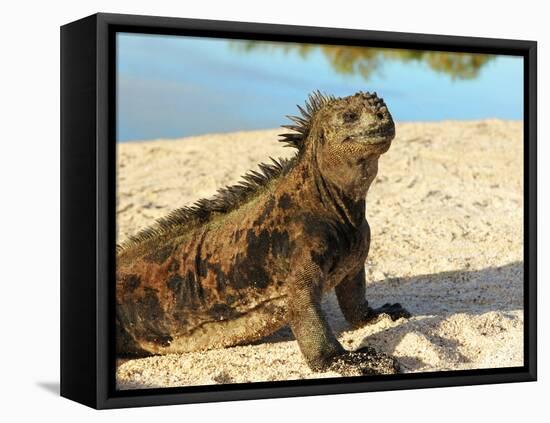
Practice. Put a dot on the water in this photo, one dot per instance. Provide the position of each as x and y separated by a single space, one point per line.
173 86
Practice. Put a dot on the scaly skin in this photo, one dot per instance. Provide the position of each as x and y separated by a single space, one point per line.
261 255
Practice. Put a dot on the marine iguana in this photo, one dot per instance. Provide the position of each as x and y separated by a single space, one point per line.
259 255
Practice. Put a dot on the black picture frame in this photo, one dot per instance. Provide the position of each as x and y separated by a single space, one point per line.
88 102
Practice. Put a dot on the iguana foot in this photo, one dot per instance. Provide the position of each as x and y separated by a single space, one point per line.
364 362
393 311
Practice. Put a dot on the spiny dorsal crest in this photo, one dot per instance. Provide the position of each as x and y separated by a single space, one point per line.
227 199
302 125
232 197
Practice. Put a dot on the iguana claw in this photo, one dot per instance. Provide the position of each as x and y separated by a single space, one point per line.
364 362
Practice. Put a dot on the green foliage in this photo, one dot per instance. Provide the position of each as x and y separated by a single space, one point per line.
365 61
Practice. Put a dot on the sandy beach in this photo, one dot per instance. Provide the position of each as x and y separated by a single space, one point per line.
446 214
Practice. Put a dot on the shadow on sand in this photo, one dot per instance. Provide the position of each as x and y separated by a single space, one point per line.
436 296
432 299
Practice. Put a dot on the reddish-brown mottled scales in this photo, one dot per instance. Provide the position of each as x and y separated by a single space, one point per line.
260 255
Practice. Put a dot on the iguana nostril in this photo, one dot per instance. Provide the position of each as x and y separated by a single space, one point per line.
380 115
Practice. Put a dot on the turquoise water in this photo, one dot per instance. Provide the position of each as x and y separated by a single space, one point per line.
173 86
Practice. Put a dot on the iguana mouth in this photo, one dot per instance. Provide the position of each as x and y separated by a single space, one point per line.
378 136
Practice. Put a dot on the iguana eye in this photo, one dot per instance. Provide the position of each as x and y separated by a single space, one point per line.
350 117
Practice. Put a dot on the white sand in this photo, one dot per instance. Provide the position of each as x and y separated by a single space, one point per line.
447 242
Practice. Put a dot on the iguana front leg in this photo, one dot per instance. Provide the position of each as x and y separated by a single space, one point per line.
316 340
355 307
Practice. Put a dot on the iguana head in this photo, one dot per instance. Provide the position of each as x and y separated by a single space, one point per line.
360 119
355 125
344 136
